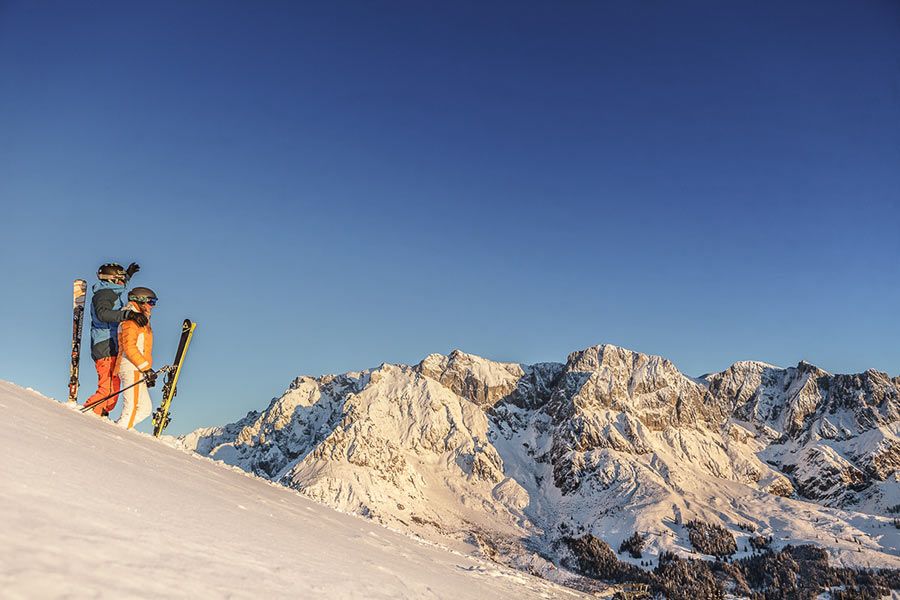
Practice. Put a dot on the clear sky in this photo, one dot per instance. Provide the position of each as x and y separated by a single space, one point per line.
327 186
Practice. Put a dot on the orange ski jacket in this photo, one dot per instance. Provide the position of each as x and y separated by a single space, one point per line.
135 345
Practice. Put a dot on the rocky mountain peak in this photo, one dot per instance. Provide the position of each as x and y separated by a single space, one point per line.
649 387
614 357
477 379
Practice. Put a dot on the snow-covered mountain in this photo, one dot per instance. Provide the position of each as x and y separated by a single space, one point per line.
513 458
835 435
90 510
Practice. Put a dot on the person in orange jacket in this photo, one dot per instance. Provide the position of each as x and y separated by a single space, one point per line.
135 360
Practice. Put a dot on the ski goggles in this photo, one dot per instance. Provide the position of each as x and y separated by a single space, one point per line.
144 300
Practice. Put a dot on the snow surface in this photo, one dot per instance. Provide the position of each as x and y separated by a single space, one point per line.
89 509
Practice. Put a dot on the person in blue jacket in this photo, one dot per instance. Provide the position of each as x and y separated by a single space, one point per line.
109 307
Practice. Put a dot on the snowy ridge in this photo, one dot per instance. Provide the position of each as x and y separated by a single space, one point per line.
510 458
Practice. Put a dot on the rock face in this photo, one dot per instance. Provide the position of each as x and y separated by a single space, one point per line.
805 401
649 387
476 379
836 435
514 458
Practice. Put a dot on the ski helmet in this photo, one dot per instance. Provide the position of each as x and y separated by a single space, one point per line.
142 295
110 272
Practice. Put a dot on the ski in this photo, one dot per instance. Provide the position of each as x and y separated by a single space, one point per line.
161 416
79 291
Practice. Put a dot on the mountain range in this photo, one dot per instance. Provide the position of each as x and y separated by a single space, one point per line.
513 459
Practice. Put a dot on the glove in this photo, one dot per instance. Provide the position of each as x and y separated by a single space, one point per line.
132 269
150 378
139 318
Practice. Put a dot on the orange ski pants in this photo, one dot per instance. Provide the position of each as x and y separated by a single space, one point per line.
107 383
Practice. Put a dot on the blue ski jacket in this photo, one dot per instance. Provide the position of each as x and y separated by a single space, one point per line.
107 311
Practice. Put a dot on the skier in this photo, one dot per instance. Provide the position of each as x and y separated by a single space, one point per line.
107 311
136 358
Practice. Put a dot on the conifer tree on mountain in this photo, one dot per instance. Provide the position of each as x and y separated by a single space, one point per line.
108 310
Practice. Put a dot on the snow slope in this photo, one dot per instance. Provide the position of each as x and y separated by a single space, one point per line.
88 509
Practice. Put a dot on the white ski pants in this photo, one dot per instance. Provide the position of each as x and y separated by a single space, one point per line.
136 404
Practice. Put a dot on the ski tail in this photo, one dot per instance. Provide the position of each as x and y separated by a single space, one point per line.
79 293
161 416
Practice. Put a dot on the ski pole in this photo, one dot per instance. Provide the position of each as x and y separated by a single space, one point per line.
143 379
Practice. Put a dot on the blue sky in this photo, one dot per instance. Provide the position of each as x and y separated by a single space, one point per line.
327 186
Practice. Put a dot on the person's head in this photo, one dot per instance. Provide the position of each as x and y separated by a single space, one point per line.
112 272
144 298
